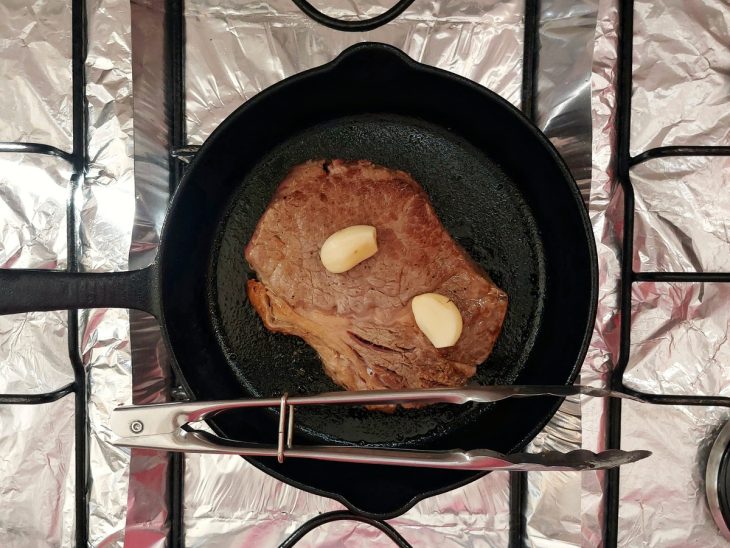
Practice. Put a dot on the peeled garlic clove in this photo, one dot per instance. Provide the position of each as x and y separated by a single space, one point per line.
438 318
348 247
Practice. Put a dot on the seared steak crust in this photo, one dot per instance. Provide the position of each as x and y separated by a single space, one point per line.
360 322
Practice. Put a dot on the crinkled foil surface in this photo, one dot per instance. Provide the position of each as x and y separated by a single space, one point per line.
236 49
679 340
37 442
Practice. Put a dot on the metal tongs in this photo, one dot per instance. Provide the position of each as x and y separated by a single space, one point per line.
167 427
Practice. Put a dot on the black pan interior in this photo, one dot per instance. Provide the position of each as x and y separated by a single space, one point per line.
474 199
498 186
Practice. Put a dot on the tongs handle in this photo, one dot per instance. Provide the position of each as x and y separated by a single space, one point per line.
163 418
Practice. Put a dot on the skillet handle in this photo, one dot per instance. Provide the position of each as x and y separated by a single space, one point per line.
25 290
353 26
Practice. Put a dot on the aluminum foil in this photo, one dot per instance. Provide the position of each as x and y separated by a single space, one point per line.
35 63
146 521
36 471
679 331
567 28
234 51
680 74
33 194
670 239
107 213
605 209
36 443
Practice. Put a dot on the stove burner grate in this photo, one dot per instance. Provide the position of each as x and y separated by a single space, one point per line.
624 161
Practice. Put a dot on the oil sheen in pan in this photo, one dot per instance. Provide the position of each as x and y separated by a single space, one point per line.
479 205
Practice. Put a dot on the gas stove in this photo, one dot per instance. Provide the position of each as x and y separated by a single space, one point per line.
107 102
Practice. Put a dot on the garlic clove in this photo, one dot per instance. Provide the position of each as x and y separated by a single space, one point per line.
438 318
348 247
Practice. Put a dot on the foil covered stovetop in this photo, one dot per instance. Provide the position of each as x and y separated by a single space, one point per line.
234 49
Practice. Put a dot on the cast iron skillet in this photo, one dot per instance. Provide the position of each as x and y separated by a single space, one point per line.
497 184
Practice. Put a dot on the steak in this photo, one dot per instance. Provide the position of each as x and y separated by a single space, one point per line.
360 322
